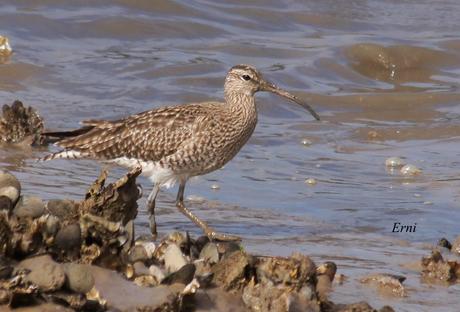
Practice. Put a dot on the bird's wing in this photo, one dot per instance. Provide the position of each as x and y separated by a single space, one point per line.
148 136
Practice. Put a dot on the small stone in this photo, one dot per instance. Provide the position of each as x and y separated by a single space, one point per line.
68 237
215 187
410 170
156 272
138 253
456 246
140 269
62 208
148 246
387 283
29 206
227 248
310 181
443 242
44 272
306 142
174 259
394 162
230 273
9 186
209 253
5 47
183 276
6 203
79 277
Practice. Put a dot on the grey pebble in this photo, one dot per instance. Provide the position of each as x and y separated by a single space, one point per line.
29 206
47 274
79 277
9 186
68 237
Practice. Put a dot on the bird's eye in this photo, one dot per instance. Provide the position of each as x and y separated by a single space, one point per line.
246 77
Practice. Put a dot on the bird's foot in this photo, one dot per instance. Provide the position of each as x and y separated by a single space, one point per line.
214 236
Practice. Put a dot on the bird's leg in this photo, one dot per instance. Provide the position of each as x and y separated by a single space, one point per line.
210 232
151 210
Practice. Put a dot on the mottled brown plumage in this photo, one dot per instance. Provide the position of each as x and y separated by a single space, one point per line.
172 144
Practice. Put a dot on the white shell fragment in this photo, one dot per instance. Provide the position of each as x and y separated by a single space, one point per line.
306 142
410 170
311 181
394 162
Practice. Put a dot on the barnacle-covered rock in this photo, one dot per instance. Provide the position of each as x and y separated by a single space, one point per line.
116 202
20 124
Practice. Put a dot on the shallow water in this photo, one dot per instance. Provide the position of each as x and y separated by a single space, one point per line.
384 76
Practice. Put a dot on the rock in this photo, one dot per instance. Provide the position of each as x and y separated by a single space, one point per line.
140 269
5 47
156 272
29 207
201 242
9 186
216 299
230 272
62 208
6 204
137 253
19 124
123 295
44 272
227 248
174 260
443 242
5 234
355 307
209 253
278 270
52 225
68 237
183 276
116 202
394 162
436 269
79 277
45 307
387 284
324 277
455 248
410 170
5 268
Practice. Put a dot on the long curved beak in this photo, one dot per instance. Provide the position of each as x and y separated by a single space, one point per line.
270 87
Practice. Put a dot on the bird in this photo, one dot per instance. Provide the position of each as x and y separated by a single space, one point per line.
174 143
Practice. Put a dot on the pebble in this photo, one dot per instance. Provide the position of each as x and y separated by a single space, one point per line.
44 272
410 170
29 206
306 142
183 276
61 208
215 187
148 246
140 269
9 186
68 237
5 47
310 181
5 203
157 273
79 277
174 260
394 162
137 253
210 253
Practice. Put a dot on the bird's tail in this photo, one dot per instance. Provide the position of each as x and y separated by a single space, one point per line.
66 154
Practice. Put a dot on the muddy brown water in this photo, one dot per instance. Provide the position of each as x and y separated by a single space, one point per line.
384 75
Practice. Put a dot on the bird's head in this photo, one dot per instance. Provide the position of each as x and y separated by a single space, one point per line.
246 79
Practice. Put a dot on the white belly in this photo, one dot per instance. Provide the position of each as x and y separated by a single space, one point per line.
159 175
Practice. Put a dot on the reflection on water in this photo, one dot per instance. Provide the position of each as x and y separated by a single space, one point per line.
384 76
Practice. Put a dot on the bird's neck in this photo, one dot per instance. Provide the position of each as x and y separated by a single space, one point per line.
242 104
